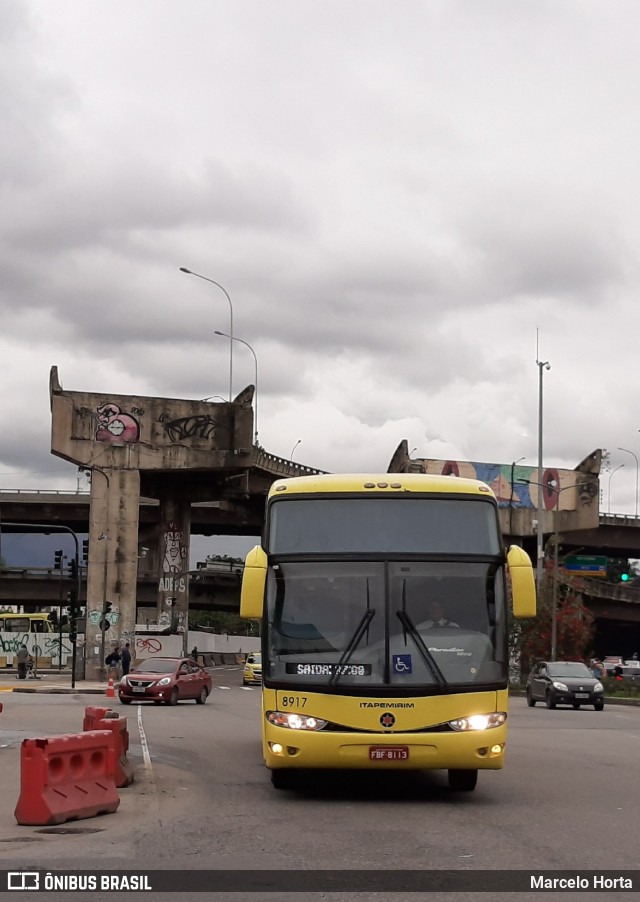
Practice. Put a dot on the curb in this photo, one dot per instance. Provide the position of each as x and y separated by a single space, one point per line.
58 690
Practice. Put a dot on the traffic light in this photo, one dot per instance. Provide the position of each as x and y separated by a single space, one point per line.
73 565
57 560
85 551
74 605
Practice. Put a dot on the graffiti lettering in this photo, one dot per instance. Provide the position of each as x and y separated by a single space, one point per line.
38 645
203 426
152 646
172 584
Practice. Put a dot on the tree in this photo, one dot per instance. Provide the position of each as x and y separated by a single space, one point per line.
223 622
574 625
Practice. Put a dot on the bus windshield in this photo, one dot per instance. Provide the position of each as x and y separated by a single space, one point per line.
383 525
25 623
417 625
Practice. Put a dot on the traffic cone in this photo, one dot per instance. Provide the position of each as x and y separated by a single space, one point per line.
111 692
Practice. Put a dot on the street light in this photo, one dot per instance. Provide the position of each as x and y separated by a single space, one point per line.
635 456
542 365
619 467
255 358
222 288
294 448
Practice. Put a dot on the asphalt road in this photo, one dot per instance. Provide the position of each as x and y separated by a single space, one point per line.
202 799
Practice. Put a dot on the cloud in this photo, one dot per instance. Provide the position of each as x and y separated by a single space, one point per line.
396 200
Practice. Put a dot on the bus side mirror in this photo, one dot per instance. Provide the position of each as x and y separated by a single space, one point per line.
254 580
523 588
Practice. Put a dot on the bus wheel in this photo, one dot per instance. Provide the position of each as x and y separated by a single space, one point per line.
281 779
463 780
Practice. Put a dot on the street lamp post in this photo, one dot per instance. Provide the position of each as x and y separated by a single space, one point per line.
255 359
542 365
635 457
619 467
230 336
294 448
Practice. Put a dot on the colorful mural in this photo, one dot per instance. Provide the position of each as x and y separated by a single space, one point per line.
116 426
517 486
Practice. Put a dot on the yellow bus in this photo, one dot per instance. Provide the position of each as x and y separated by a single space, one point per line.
25 623
384 607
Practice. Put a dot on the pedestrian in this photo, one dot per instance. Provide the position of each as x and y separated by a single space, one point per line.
24 659
194 653
112 661
126 659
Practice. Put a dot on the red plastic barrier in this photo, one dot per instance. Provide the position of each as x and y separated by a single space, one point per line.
118 726
92 715
64 778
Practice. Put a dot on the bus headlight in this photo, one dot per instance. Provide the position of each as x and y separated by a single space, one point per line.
295 721
479 721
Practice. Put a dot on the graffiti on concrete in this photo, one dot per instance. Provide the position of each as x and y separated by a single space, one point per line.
148 645
96 616
116 426
38 644
175 552
203 426
158 645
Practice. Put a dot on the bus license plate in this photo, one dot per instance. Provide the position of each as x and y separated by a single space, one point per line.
582 695
388 752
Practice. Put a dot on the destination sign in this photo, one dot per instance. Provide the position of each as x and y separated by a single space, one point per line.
313 669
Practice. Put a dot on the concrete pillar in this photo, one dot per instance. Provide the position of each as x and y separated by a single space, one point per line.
113 562
173 561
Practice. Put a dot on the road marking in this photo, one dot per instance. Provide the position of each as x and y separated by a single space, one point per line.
155 800
143 741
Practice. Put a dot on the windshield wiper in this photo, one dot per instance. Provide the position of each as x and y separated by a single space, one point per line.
355 640
429 660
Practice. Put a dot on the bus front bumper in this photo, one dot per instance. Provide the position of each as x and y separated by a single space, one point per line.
475 749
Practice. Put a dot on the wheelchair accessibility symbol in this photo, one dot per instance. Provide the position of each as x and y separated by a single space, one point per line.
401 663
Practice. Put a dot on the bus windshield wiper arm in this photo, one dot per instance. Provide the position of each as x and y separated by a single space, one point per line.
429 660
355 640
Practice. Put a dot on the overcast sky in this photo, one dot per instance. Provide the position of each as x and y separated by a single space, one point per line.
396 197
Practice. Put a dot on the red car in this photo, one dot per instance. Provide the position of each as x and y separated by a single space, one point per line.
168 680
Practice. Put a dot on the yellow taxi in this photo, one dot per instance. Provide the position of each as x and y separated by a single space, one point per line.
252 672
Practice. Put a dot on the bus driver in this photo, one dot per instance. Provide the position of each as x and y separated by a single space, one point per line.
438 619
